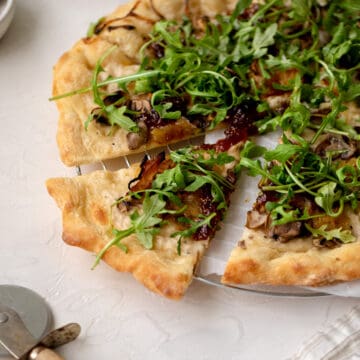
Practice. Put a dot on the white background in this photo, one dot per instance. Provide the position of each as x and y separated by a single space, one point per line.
120 319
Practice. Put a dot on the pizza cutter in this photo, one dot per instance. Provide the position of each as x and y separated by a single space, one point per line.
25 319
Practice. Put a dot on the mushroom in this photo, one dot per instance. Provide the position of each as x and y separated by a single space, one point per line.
337 144
140 103
137 139
323 243
255 219
285 232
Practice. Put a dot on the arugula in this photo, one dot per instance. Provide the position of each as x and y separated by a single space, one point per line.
145 226
193 227
292 169
93 26
115 115
345 236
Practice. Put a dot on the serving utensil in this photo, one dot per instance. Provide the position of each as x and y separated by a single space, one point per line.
7 10
16 338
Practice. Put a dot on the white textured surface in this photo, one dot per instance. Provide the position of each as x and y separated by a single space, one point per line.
340 340
120 319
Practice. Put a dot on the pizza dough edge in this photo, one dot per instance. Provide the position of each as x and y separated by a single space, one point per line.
260 260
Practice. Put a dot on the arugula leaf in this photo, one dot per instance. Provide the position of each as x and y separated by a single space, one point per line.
163 110
117 116
252 150
143 225
283 152
194 225
327 197
262 40
170 180
301 8
283 214
92 27
345 236
239 9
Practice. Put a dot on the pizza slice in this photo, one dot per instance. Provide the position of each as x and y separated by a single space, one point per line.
107 118
304 228
154 219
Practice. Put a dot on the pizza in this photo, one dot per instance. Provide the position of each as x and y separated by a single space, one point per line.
154 219
156 72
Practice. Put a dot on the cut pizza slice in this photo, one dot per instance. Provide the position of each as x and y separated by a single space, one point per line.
145 109
155 219
304 228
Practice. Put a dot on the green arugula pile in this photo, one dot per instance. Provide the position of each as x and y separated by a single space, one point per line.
293 169
318 39
327 73
192 169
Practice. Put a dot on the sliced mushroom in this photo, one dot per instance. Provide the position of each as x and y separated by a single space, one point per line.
255 219
285 232
137 139
341 147
323 243
278 103
140 103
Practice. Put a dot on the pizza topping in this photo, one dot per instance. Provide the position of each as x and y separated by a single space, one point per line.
285 232
335 145
140 103
137 139
256 219
303 192
149 169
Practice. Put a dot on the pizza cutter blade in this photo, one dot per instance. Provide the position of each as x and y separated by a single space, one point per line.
17 302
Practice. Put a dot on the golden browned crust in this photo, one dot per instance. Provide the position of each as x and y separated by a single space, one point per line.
262 260
86 201
127 27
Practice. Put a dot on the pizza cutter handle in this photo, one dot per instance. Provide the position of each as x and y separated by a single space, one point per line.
43 353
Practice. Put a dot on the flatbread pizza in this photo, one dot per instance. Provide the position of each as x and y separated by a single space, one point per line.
155 72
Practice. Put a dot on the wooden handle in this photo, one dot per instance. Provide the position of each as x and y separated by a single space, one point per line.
43 353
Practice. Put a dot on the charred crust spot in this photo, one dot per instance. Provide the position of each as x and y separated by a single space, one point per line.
126 27
155 10
242 244
249 265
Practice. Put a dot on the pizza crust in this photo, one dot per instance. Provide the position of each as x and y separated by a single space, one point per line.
86 201
130 25
261 260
